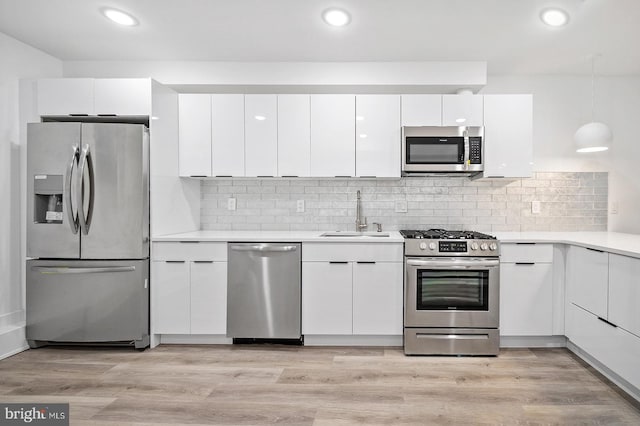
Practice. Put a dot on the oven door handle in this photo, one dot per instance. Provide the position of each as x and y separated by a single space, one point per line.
455 263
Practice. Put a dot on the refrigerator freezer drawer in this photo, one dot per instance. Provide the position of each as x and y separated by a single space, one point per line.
88 301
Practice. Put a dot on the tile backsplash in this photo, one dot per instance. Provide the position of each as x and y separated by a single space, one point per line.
569 201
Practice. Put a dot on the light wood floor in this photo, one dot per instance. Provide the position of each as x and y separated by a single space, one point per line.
256 385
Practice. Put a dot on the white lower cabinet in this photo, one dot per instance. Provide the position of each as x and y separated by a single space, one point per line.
170 289
526 299
612 346
189 288
377 298
587 276
327 297
208 297
352 289
624 292
526 289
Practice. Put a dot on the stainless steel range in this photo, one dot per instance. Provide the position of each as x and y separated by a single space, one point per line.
451 291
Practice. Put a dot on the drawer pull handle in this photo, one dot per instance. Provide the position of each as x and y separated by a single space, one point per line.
607 322
592 249
203 261
337 263
525 263
366 263
526 244
174 261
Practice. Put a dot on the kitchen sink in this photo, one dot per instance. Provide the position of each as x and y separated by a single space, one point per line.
354 234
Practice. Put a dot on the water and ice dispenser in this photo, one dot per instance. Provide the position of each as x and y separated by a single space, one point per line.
48 190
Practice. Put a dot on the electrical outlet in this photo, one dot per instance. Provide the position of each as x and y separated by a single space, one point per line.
300 206
535 207
614 207
401 207
231 204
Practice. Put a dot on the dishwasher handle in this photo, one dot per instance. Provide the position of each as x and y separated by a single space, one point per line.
264 248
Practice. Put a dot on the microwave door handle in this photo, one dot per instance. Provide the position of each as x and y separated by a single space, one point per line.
466 149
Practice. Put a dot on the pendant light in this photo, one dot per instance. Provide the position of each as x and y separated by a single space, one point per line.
594 136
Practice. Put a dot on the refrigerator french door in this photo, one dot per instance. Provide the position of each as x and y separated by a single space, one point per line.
88 218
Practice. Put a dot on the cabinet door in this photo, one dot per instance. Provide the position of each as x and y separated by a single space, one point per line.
194 134
294 135
526 299
462 110
624 292
170 294
587 279
122 96
261 135
377 298
508 135
62 96
208 297
378 135
227 135
421 110
327 298
333 151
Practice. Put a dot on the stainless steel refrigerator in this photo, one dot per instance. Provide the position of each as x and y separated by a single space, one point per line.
88 233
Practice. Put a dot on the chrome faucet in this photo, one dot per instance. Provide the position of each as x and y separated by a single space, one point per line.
360 226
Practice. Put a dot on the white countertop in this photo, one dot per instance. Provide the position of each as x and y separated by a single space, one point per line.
276 236
613 242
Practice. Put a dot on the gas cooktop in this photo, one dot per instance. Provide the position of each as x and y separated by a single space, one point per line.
443 234
449 243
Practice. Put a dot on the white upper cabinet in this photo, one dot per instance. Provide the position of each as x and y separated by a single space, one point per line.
227 135
462 110
261 135
63 96
294 135
508 135
333 135
88 96
378 143
421 110
122 96
194 111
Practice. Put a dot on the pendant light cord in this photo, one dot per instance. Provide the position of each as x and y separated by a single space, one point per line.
593 88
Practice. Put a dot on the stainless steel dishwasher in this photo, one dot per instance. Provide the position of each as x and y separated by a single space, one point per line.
264 291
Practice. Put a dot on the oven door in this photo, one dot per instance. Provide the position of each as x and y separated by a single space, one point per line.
452 292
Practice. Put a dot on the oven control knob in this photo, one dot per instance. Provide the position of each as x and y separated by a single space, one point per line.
474 246
423 246
484 246
432 246
493 246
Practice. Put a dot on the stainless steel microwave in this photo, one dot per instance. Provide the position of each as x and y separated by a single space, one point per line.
453 149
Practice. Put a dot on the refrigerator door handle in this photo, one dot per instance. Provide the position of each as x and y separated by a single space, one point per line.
72 270
68 187
86 162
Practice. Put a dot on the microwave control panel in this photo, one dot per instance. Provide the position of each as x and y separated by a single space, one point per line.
475 148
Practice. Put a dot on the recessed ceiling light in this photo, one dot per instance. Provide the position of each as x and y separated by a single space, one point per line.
554 17
119 17
336 17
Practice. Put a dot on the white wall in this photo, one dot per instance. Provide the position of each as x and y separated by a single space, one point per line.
18 61
561 105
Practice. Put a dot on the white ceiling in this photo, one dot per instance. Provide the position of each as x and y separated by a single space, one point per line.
507 34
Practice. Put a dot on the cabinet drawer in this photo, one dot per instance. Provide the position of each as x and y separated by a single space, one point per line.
364 252
535 252
197 250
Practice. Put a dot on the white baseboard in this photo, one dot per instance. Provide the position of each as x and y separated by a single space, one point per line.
326 340
12 341
633 391
533 341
